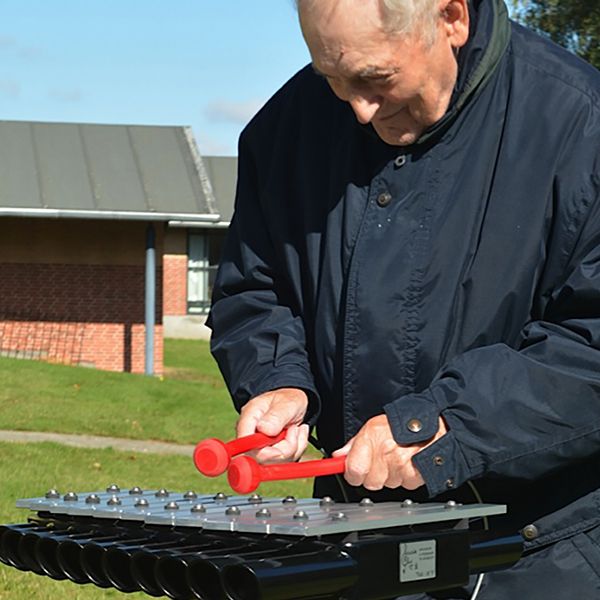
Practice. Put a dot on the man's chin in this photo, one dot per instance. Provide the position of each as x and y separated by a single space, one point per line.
397 137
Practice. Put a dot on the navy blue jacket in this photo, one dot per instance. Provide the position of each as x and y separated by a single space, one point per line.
471 291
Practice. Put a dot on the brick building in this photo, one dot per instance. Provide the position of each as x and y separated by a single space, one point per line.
79 208
192 252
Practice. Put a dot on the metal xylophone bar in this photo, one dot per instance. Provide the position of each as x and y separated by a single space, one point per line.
187 546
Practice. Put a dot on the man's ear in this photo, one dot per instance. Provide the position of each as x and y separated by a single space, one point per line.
455 21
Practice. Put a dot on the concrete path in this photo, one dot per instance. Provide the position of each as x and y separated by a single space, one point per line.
96 441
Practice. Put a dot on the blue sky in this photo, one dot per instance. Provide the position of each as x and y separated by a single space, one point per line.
205 63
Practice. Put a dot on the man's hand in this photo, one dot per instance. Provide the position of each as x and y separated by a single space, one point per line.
374 459
272 412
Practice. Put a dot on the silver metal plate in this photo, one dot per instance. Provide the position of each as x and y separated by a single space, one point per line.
252 514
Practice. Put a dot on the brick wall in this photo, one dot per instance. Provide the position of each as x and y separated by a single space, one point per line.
88 314
175 284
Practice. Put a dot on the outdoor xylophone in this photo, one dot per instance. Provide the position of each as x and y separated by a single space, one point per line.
240 547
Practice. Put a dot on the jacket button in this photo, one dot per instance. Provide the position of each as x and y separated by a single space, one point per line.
530 532
414 425
400 160
449 483
384 199
438 460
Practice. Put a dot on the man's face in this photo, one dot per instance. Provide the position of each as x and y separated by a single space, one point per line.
398 83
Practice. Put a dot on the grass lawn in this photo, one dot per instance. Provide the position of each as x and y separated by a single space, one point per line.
188 404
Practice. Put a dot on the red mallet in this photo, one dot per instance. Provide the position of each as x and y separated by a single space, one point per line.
212 456
245 474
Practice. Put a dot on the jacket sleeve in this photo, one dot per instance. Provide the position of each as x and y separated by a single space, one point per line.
258 336
528 410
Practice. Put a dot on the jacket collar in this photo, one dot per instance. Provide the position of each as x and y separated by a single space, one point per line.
477 60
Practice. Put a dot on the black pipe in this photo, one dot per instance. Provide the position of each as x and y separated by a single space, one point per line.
10 536
143 563
117 563
204 577
170 571
26 551
46 552
308 575
496 553
70 557
9 544
204 573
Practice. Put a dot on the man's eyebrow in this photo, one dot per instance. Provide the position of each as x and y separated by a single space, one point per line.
374 71
370 71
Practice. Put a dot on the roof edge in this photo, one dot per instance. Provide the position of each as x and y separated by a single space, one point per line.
117 215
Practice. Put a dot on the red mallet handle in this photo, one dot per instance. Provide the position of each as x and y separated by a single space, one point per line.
245 474
212 456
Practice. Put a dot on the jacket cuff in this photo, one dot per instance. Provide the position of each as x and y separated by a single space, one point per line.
442 465
413 419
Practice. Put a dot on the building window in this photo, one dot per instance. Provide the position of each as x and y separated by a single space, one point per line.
204 252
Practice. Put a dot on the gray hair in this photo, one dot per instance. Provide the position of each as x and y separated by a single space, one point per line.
407 16
411 16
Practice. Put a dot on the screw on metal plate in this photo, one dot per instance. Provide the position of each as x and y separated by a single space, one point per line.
52 494
113 489
301 515
366 502
255 499
289 500
263 513
339 516
135 491
451 504
198 508
326 501
171 506
114 501
190 495
162 493
220 497
233 511
142 503
93 499
406 503
70 497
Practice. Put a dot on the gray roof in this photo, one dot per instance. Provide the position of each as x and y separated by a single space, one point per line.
106 171
222 173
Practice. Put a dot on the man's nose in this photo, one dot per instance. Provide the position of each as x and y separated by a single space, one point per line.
365 107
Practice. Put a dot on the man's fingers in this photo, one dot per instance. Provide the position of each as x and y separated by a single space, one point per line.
251 414
288 449
283 411
303 431
358 463
273 411
344 449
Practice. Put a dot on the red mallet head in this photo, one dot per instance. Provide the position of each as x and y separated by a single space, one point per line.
211 457
244 474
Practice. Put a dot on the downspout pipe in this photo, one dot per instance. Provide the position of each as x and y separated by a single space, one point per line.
150 298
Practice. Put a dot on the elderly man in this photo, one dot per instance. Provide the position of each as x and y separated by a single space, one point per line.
414 268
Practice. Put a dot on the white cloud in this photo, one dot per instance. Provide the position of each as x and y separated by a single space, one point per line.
211 147
233 112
